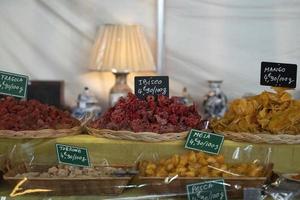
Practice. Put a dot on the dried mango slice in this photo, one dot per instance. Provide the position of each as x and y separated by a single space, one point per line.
276 113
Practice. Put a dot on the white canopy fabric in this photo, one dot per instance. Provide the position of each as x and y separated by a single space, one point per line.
205 39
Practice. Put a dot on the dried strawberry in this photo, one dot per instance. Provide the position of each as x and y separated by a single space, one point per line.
32 115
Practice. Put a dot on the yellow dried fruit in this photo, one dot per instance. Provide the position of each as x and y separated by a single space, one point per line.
268 112
198 164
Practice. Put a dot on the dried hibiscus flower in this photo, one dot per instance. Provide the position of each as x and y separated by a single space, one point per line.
164 115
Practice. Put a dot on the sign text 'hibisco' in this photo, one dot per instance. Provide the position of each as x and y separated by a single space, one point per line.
151 86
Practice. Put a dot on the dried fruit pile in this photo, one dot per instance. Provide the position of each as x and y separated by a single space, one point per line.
32 115
198 164
75 172
163 115
268 112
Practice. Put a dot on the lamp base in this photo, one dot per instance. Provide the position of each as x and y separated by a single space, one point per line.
120 89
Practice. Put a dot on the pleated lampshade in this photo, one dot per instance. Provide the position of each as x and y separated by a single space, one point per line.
121 48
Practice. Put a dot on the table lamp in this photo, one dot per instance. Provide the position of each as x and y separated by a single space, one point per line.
121 49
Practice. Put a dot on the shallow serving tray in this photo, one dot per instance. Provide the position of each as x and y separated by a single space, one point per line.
139 136
177 186
43 133
68 186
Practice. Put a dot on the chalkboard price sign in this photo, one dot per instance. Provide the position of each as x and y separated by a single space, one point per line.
204 141
278 74
208 190
13 84
72 155
151 86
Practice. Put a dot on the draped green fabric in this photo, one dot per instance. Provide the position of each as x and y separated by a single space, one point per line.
284 156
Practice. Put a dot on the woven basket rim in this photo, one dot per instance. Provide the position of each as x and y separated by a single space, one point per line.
137 136
139 133
263 137
41 133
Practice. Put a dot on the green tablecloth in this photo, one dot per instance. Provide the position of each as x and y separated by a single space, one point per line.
285 157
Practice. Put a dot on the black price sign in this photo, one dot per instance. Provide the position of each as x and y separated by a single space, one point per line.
278 74
151 86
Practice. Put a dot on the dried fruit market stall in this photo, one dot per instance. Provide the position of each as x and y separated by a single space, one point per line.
149 99
133 162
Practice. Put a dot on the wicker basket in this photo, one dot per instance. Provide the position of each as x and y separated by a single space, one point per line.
262 138
140 136
177 187
43 133
67 186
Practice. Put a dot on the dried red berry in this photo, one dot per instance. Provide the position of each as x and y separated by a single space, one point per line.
162 116
32 115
